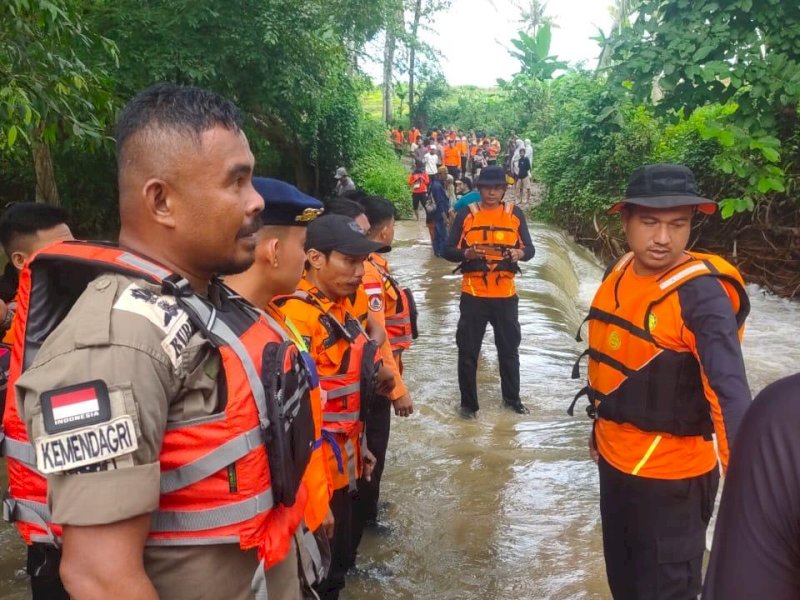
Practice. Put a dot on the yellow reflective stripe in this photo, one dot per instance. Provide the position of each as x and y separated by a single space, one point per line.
647 455
298 339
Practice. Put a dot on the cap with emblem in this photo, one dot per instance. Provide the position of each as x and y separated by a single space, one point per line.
340 233
284 204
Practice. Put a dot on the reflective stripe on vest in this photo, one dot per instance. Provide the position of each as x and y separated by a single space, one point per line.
207 509
212 518
634 380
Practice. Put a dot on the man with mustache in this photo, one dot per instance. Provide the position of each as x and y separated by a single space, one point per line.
665 374
149 404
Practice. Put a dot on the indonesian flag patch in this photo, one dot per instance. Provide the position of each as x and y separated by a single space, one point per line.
75 406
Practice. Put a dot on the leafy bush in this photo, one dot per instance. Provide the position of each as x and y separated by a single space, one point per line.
376 169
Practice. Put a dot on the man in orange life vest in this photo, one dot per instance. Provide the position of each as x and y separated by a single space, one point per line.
279 260
159 475
26 228
390 307
489 238
665 373
348 362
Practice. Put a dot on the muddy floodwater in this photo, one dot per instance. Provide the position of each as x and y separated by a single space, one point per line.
503 507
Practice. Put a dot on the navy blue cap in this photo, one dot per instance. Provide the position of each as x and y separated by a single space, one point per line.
284 204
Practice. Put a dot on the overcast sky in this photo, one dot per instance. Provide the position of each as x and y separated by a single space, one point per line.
496 22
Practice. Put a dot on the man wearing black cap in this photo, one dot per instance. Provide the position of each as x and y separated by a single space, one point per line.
665 373
277 269
489 238
348 363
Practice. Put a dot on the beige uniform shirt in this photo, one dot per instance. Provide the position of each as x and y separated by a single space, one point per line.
158 371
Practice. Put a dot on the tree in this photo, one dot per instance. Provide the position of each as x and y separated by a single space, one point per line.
534 56
421 9
286 64
533 16
394 31
54 82
744 54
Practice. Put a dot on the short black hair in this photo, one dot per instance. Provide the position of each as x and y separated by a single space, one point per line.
344 206
27 218
188 109
379 210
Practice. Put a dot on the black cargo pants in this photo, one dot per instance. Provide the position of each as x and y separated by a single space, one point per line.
654 533
503 315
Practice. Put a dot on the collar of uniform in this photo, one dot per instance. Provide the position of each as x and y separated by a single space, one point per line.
307 286
379 260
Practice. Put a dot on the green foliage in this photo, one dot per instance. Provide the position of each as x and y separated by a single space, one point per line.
54 84
376 169
741 55
533 52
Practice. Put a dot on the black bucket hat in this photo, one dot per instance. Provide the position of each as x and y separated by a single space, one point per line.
491 176
664 186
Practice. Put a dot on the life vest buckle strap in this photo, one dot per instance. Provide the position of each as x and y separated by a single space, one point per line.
20 451
177 286
29 511
576 367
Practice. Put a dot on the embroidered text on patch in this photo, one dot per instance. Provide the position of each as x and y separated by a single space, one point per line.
75 406
86 446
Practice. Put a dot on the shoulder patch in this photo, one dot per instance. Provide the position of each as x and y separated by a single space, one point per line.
376 302
161 311
75 406
95 445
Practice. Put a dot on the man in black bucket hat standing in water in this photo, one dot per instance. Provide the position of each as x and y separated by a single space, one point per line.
665 374
489 238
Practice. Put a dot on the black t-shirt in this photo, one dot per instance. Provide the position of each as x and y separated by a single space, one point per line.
756 552
524 166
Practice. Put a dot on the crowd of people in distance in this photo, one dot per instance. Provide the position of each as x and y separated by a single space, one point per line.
446 163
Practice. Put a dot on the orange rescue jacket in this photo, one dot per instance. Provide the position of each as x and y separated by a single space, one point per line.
348 387
633 380
197 504
398 307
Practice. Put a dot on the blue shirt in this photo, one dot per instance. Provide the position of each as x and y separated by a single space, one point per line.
468 198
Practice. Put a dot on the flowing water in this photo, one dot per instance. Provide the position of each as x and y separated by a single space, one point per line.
504 507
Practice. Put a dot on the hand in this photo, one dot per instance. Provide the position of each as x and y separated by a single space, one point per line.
369 462
593 453
385 382
473 253
328 523
515 254
403 406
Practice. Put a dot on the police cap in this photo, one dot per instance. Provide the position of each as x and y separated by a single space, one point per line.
284 204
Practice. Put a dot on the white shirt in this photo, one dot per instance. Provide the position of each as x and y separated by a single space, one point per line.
431 163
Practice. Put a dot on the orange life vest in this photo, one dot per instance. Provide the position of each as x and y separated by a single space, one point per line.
349 393
634 380
198 503
398 309
397 136
495 232
318 482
